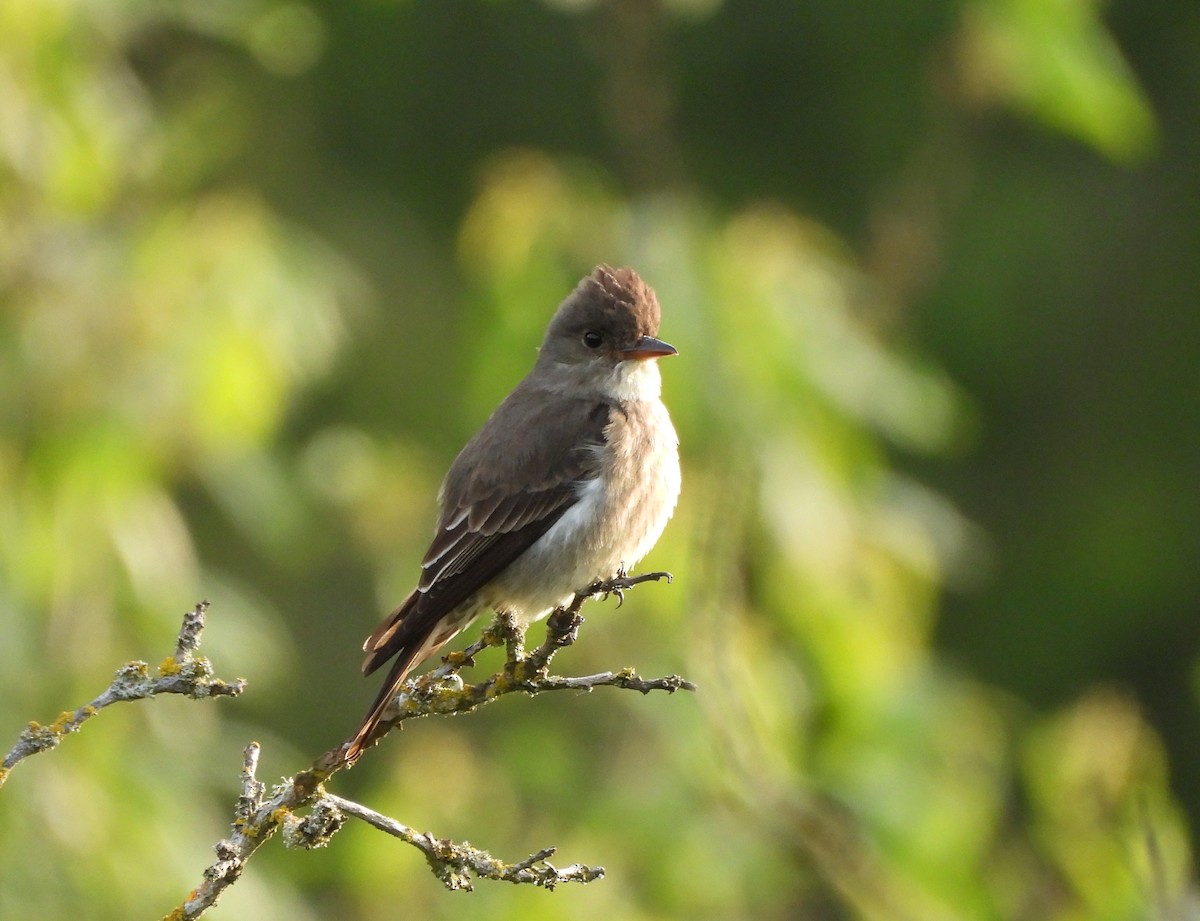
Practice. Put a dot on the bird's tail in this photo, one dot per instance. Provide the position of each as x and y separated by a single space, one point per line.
411 638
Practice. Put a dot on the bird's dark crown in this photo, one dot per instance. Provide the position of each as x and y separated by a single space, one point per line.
614 300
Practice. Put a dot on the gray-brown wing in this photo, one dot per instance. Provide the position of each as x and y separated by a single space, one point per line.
486 523
517 476
484 526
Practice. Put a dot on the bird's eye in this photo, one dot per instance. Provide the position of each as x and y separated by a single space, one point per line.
592 339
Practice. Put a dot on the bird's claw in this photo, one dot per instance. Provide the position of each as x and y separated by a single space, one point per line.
622 582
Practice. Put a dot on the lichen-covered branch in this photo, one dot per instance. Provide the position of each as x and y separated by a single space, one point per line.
255 820
442 690
307 816
455 864
181 673
300 808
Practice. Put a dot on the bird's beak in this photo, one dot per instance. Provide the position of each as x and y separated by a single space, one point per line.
649 347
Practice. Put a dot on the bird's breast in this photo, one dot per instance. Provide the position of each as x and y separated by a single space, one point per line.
616 520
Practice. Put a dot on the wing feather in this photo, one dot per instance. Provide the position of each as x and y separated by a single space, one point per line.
497 501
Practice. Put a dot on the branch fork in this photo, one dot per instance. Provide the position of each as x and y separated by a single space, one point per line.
443 691
181 673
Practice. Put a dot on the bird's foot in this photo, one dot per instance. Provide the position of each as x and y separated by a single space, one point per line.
622 582
562 628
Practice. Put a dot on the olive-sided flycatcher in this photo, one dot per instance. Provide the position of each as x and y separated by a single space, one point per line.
571 480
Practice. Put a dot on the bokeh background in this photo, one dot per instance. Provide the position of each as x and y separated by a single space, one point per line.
931 268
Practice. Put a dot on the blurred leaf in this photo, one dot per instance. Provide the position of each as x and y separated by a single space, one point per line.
1055 60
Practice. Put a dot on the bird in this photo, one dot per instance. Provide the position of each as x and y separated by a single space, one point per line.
570 481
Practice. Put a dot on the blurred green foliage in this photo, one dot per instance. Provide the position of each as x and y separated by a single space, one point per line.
264 266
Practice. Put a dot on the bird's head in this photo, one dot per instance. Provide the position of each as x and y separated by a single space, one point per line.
604 336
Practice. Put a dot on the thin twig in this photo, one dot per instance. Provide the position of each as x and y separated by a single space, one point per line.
182 673
626 678
454 864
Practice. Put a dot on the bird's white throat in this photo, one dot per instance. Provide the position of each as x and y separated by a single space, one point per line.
633 380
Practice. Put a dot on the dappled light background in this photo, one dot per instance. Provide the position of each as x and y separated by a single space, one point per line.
265 266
